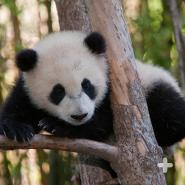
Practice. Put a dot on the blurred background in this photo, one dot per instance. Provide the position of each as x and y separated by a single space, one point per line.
22 23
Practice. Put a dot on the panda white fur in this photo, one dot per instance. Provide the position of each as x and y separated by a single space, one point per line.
64 89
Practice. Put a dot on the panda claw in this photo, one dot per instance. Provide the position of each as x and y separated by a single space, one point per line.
45 127
8 132
24 140
53 131
4 133
20 133
15 138
28 139
40 124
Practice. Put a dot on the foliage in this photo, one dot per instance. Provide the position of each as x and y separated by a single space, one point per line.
153 41
153 37
11 5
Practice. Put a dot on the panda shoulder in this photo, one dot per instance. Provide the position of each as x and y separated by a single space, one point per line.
151 75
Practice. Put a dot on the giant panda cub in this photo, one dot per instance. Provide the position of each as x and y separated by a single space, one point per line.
64 89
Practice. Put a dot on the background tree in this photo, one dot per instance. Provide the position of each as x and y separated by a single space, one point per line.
153 40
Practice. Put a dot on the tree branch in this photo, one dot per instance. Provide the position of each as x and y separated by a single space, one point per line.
180 43
84 146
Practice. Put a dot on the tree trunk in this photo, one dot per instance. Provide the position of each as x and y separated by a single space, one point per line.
138 150
73 16
179 38
49 18
15 25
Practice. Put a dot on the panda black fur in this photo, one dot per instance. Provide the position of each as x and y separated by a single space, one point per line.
64 89
64 78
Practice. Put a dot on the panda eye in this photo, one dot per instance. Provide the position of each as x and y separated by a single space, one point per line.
88 88
57 94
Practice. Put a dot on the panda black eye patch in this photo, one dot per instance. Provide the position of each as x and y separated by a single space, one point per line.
88 88
57 94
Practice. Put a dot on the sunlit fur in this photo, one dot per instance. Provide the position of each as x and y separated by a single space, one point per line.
64 59
151 75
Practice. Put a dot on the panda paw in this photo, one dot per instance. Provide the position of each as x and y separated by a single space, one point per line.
48 125
17 131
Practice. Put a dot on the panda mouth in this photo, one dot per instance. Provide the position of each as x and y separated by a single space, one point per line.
79 117
78 121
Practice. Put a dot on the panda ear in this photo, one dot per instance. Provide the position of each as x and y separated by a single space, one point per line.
26 59
95 43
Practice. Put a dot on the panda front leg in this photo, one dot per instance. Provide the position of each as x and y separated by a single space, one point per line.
19 117
21 132
94 131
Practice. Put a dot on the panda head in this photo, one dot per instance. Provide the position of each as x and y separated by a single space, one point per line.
66 74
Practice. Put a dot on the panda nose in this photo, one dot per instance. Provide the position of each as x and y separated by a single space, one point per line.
79 117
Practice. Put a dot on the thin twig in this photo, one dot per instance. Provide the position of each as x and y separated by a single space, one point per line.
105 151
174 12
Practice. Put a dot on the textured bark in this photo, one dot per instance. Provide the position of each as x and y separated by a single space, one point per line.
73 15
83 146
138 149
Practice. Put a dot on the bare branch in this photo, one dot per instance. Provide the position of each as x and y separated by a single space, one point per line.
84 146
179 38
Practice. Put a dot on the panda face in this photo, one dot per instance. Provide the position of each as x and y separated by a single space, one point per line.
74 109
69 80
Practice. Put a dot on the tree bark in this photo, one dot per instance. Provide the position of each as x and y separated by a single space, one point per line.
138 149
180 41
73 15
83 146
